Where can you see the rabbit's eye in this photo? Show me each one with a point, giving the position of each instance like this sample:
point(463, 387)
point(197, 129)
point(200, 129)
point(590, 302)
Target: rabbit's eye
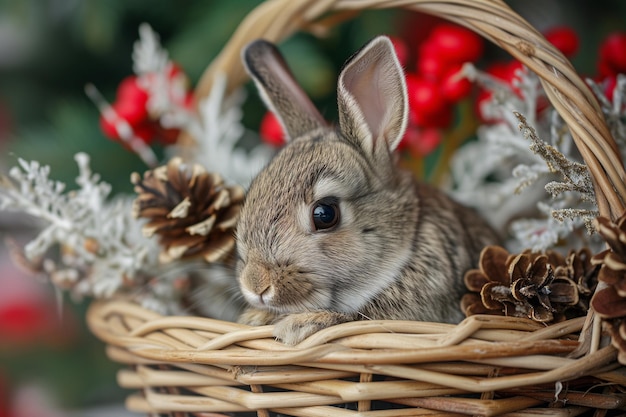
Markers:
point(326, 214)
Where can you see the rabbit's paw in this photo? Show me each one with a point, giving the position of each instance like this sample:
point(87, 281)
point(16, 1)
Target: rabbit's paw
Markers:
point(294, 328)
point(257, 317)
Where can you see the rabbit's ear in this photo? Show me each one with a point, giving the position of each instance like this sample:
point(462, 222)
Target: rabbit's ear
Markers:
point(372, 97)
point(279, 89)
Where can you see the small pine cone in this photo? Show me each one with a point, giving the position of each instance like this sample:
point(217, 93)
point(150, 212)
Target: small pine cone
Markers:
point(190, 210)
point(577, 266)
point(489, 285)
point(523, 285)
point(610, 300)
point(530, 276)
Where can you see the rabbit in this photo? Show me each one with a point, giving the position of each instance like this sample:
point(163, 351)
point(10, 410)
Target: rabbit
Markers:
point(331, 230)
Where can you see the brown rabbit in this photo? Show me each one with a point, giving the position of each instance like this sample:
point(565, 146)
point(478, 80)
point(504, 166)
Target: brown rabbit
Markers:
point(331, 230)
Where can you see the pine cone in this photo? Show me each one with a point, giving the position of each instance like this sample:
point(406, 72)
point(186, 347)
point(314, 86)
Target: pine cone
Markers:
point(578, 267)
point(192, 211)
point(490, 285)
point(610, 301)
point(543, 287)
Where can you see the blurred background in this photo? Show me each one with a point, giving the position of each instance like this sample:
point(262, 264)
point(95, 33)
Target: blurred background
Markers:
point(50, 365)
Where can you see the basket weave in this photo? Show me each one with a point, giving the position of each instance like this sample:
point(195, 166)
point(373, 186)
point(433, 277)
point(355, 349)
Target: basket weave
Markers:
point(487, 365)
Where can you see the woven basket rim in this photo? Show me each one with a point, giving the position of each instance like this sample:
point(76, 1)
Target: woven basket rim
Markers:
point(420, 357)
point(198, 353)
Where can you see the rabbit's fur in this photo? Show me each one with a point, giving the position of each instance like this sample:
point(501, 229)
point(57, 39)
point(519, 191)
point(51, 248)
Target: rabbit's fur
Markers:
point(399, 249)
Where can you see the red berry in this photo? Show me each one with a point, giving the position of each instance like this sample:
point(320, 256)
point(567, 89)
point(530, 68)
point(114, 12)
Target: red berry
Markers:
point(441, 119)
point(454, 86)
point(131, 101)
point(424, 95)
point(506, 71)
point(605, 69)
point(421, 142)
point(429, 140)
point(130, 90)
point(457, 44)
point(513, 67)
point(402, 51)
point(430, 67)
point(613, 51)
point(131, 112)
point(498, 69)
point(271, 130)
point(430, 63)
point(146, 132)
point(564, 39)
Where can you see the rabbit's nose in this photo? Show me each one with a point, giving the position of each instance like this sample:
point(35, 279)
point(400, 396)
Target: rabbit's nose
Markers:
point(266, 295)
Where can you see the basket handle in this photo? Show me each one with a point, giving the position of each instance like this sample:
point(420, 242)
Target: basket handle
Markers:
point(275, 20)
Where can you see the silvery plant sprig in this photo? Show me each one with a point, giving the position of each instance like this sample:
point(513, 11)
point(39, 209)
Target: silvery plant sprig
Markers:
point(88, 244)
point(537, 190)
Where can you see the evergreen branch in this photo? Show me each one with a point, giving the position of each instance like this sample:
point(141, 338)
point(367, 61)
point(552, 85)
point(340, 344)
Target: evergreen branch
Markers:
point(576, 175)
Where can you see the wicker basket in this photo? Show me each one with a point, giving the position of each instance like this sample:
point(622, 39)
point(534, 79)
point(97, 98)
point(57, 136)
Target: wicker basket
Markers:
point(486, 365)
